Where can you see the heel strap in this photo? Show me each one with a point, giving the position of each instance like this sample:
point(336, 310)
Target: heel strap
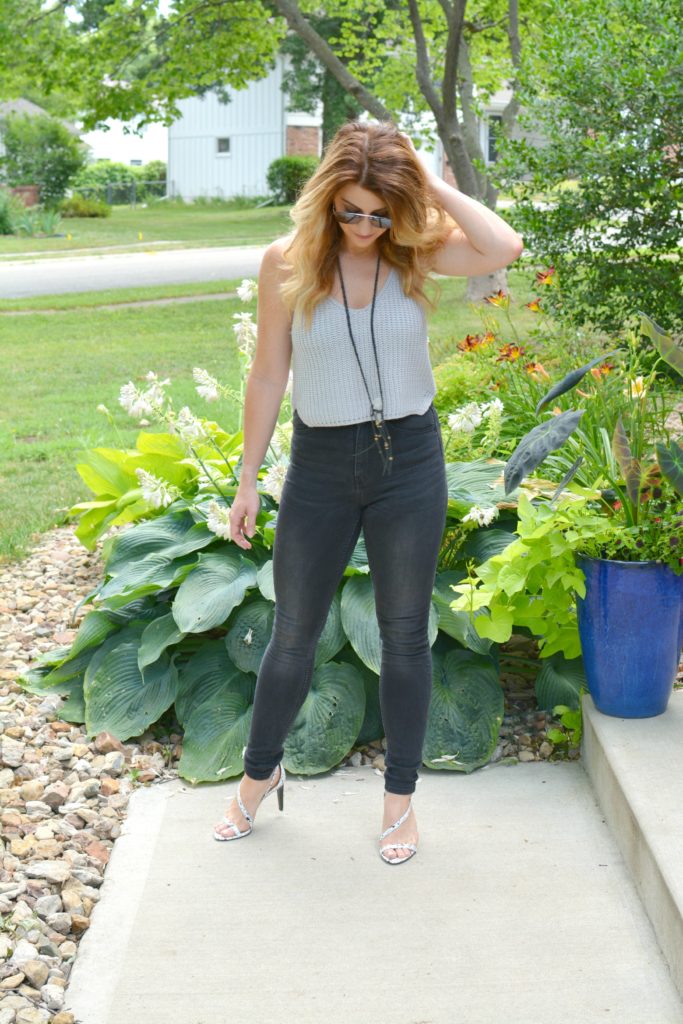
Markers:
point(243, 809)
point(396, 824)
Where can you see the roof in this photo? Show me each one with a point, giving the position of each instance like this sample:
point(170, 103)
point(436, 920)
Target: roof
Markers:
point(31, 109)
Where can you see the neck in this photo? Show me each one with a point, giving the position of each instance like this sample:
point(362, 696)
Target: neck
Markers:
point(359, 254)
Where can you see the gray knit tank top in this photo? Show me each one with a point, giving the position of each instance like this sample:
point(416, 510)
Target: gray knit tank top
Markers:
point(327, 386)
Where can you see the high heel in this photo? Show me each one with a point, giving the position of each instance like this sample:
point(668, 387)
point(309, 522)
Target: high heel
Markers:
point(396, 846)
point(279, 788)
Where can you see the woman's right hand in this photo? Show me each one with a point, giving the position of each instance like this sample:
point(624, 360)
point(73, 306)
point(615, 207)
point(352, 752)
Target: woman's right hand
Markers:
point(243, 512)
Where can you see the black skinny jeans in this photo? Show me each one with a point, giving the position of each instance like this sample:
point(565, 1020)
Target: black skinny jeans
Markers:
point(333, 488)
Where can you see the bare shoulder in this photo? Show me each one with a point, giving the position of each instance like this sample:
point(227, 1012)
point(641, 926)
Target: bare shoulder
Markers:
point(274, 259)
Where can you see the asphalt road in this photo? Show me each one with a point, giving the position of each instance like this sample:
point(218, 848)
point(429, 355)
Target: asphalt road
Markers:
point(21, 279)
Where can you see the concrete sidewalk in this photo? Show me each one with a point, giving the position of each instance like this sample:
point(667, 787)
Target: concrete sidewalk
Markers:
point(519, 907)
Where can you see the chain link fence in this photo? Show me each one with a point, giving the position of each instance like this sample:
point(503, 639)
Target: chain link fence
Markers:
point(122, 193)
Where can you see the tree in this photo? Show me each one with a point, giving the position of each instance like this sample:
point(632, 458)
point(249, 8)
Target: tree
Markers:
point(40, 151)
point(614, 76)
point(139, 63)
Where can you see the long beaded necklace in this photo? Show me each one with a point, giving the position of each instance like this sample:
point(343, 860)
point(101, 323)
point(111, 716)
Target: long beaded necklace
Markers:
point(381, 435)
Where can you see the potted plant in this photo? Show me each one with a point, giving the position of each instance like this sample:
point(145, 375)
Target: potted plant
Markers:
point(625, 536)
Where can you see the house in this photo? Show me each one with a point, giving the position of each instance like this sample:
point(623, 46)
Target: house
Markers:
point(219, 149)
point(224, 149)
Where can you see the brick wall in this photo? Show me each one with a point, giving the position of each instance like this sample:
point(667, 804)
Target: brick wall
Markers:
point(302, 140)
point(29, 194)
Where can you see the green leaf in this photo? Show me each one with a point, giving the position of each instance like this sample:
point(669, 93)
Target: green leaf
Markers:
point(145, 576)
point(156, 637)
point(479, 482)
point(264, 580)
point(671, 463)
point(121, 699)
point(629, 466)
point(250, 630)
point(217, 728)
point(670, 352)
point(329, 720)
point(571, 380)
point(559, 681)
point(465, 712)
point(94, 628)
point(170, 535)
point(215, 586)
point(456, 623)
point(537, 444)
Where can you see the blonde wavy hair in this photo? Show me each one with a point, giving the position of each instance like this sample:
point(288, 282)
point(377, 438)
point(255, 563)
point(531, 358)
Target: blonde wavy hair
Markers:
point(376, 156)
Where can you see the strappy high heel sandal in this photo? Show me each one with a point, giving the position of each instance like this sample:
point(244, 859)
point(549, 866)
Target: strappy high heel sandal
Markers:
point(397, 846)
point(279, 788)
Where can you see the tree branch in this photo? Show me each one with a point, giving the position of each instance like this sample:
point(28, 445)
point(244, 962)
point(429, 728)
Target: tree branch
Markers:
point(289, 9)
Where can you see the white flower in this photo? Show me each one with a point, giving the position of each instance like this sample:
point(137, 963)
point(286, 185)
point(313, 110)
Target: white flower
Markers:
point(274, 479)
point(482, 516)
point(218, 519)
point(636, 388)
point(156, 491)
point(495, 403)
point(466, 418)
point(133, 401)
point(188, 426)
point(247, 290)
point(245, 331)
point(207, 385)
point(102, 408)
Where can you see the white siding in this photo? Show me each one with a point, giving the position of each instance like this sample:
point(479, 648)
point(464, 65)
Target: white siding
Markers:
point(255, 123)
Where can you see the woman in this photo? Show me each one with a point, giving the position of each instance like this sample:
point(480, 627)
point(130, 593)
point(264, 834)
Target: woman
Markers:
point(342, 298)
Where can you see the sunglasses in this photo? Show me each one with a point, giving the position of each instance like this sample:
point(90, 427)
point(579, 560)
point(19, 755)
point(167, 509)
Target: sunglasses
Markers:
point(350, 217)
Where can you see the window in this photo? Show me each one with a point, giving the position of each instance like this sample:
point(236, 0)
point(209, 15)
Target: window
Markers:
point(223, 145)
point(495, 122)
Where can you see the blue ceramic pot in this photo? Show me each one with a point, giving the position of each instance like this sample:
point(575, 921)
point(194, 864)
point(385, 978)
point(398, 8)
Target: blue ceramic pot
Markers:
point(631, 631)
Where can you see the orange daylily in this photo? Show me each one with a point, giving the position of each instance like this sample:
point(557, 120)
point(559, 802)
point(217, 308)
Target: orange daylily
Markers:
point(473, 341)
point(500, 298)
point(470, 342)
point(535, 368)
point(534, 306)
point(545, 276)
point(510, 352)
point(602, 370)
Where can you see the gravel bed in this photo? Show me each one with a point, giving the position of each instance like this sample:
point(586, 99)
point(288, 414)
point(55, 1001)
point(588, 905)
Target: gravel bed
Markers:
point(63, 797)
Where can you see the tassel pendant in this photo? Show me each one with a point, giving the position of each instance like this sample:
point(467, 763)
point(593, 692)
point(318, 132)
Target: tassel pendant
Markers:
point(382, 439)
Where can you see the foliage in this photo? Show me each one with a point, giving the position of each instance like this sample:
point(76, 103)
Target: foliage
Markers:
point(641, 463)
point(639, 516)
point(182, 617)
point(287, 175)
point(35, 221)
point(40, 151)
point(80, 206)
point(532, 582)
point(604, 92)
point(399, 60)
point(309, 83)
point(11, 209)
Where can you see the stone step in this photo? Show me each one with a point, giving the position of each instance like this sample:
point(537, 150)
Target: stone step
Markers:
point(636, 768)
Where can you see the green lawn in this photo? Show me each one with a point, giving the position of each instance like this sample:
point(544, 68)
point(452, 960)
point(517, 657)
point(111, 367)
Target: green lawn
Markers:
point(189, 226)
point(59, 367)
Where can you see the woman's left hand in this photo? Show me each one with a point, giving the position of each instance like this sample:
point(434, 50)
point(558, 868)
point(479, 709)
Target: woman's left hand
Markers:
point(409, 141)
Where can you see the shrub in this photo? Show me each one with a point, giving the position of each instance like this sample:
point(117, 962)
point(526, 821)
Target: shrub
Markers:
point(80, 206)
point(11, 209)
point(40, 151)
point(287, 176)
